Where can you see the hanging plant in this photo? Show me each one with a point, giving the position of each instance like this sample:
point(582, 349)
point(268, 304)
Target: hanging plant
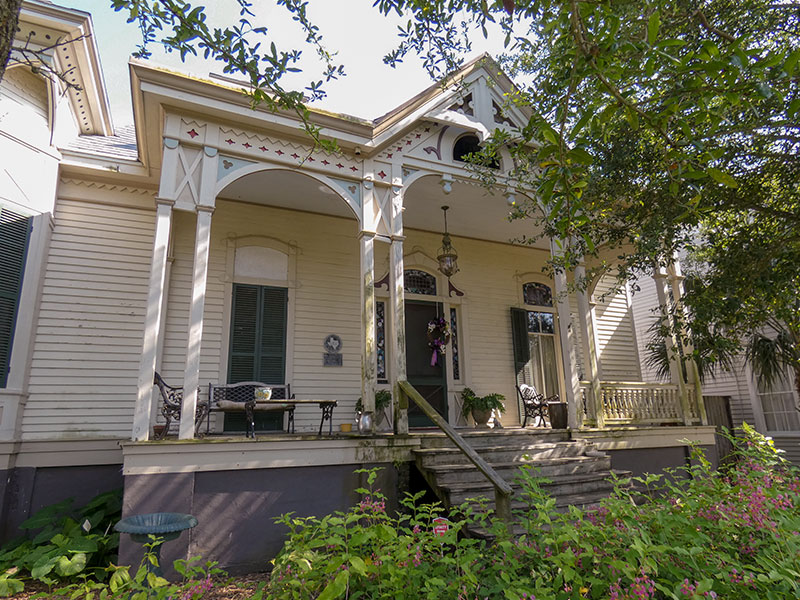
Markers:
point(438, 337)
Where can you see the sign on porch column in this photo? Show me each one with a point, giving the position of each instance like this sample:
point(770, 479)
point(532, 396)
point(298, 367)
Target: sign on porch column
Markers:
point(152, 322)
point(191, 376)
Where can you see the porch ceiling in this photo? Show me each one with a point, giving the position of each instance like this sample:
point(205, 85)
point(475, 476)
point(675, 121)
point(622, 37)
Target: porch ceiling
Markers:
point(474, 212)
point(287, 189)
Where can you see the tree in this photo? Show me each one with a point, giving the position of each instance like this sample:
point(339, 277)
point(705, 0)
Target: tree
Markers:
point(658, 127)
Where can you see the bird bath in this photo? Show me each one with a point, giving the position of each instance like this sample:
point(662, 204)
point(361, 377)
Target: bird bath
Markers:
point(164, 526)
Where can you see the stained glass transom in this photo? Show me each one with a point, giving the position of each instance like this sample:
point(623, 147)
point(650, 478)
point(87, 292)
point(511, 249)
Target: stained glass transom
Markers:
point(419, 282)
point(537, 294)
point(454, 343)
point(380, 334)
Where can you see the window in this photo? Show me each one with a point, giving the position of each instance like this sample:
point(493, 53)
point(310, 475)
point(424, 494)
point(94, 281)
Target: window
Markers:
point(258, 345)
point(535, 358)
point(14, 235)
point(380, 340)
point(419, 282)
point(470, 144)
point(537, 294)
point(778, 404)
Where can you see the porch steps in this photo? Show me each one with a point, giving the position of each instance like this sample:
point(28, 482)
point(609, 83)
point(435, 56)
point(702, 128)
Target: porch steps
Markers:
point(577, 473)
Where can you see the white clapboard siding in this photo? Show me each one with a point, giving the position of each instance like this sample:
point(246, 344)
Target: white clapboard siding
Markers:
point(790, 444)
point(733, 384)
point(89, 333)
point(645, 307)
point(619, 356)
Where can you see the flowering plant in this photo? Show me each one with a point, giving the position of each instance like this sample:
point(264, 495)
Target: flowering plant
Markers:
point(438, 337)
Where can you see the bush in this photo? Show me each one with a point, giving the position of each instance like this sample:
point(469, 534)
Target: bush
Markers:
point(694, 534)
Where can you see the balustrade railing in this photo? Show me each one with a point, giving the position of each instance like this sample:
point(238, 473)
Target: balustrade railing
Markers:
point(632, 402)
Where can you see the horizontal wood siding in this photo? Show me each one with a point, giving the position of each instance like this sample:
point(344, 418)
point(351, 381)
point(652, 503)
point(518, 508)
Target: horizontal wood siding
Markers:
point(790, 444)
point(645, 307)
point(89, 334)
point(619, 355)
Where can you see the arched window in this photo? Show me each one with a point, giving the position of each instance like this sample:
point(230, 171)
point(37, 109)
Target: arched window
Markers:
point(419, 282)
point(470, 144)
point(537, 294)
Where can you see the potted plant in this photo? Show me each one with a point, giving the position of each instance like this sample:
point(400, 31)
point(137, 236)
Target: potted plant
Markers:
point(383, 398)
point(481, 407)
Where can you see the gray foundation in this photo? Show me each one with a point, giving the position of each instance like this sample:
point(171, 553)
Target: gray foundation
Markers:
point(656, 460)
point(236, 510)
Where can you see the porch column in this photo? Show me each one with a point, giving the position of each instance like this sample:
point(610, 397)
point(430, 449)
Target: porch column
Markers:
point(191, 375)
point(586, 314)
point(676, 283)
point(572, 388)
point(398, 314)
point(152, 322)
point(369, 355)
point(676, 372)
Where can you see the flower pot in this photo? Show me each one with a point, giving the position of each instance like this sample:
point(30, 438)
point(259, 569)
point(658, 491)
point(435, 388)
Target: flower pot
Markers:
point(481, 417)
point(558, 414)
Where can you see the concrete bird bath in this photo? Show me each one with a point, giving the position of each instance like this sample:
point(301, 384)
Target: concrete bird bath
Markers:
point(165, 526)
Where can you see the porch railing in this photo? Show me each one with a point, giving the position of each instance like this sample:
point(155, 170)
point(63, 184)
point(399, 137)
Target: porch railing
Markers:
point(633, 402)
point(502, 490)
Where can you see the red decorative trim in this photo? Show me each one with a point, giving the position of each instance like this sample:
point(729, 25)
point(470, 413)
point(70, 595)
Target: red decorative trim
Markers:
point(382, 175)
point(438, 149)
point(408, 142)
point(389, 155)
point(263, 148)
point(325, 162)
point(279, 152)
point(383, 282)
point(311, 159)
point(192, 133)
point(340, 165)
point(229, 141)
point(295, 155)
point(354, 169)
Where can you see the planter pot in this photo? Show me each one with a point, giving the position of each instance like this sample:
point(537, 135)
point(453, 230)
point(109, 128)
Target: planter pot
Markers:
point(345, 427)
point(158, 431)
point(558, 415)
point(481, 417)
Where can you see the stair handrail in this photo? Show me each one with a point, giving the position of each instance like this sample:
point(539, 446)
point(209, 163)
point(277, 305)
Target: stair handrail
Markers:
point(502, 490)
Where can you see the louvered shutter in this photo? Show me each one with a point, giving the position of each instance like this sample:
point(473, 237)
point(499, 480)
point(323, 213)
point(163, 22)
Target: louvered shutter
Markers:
point(519, 338)
point(245, 313)
point(272, 355)
point(14, 233)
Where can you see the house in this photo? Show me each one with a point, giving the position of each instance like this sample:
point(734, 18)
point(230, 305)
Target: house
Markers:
point(214, 243)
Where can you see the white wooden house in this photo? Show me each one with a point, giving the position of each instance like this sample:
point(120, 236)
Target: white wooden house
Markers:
point(214, 243)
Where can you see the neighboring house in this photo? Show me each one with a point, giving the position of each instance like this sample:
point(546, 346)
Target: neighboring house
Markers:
point(214, 243)
point(772, 411)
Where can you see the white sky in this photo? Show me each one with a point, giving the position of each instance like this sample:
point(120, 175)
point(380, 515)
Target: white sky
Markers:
point(353, 28)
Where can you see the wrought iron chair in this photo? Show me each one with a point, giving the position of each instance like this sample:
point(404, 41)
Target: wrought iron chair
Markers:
point(534, 404)
point(172, 403)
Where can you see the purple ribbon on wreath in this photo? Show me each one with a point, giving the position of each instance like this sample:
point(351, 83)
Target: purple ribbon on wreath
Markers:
point(438, 336)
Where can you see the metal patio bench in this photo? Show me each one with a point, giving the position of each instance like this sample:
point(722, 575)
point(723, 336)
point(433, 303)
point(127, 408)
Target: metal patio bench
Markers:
point(172, 404)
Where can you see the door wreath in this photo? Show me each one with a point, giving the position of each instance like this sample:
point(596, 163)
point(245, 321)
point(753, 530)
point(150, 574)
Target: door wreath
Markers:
point(438, 337)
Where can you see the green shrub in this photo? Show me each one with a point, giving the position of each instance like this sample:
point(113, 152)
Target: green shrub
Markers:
point(694, 534)
point(62, 543)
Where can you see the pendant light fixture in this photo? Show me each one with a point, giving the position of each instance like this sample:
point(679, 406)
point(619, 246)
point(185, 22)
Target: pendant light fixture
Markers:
point(447, 257)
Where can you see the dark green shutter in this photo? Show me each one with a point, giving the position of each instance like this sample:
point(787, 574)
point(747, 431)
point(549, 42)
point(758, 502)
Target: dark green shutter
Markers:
point(519, 338)
point(258, 334)
point(14, 234)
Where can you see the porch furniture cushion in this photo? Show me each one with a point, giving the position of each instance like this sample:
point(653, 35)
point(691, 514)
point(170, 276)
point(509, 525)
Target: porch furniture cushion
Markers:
point(228, 397)
point(535, 405)
point(172, 404)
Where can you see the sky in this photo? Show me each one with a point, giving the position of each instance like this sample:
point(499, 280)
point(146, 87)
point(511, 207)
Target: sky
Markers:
point(352, 28)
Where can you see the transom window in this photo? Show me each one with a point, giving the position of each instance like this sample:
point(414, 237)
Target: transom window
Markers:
point(419, 282)
point(537, 294)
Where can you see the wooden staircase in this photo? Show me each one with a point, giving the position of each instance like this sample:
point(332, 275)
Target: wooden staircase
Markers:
point(578, 474)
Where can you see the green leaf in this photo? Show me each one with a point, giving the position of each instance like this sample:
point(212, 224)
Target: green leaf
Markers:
point(723, 178)
point(67, 567)
point(336, 587)
point(10, 586)
point(43, 566)
point(791, 62)
point(794, 107)
point(358, 565)
point(581, 156)
point(653, 23)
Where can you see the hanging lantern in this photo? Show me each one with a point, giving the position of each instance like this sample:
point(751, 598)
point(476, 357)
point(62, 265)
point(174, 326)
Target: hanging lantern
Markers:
point(447, 257)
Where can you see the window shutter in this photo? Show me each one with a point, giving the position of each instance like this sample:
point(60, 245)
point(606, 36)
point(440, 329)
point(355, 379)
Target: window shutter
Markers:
point(258, 334)
point(272, 359)
point(519, 337)
point(242, 363)
point(14, 235)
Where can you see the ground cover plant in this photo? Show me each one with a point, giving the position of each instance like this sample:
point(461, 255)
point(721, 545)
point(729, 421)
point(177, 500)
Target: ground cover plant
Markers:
point(693, 534)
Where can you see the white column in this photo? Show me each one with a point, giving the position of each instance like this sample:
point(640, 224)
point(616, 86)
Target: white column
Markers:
point(572, 388)
point(369, 355)
point(152, 322)
point(676, 372)
point(191, 375)
point(676, 283)
point(586, 313)
point(398, 313)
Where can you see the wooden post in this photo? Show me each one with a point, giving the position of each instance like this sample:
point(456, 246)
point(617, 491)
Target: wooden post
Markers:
point(572, 388)
point(675, 369)
point(398, 313)
point(369, 355)
point(586, 314)
point(191, 375)
point(152, 322)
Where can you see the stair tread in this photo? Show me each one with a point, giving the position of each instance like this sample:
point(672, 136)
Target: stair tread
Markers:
point(544, 462)
point(559, 480)
point(479, 449)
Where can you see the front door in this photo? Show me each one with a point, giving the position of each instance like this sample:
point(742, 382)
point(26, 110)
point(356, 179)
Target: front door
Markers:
point(429, 380)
